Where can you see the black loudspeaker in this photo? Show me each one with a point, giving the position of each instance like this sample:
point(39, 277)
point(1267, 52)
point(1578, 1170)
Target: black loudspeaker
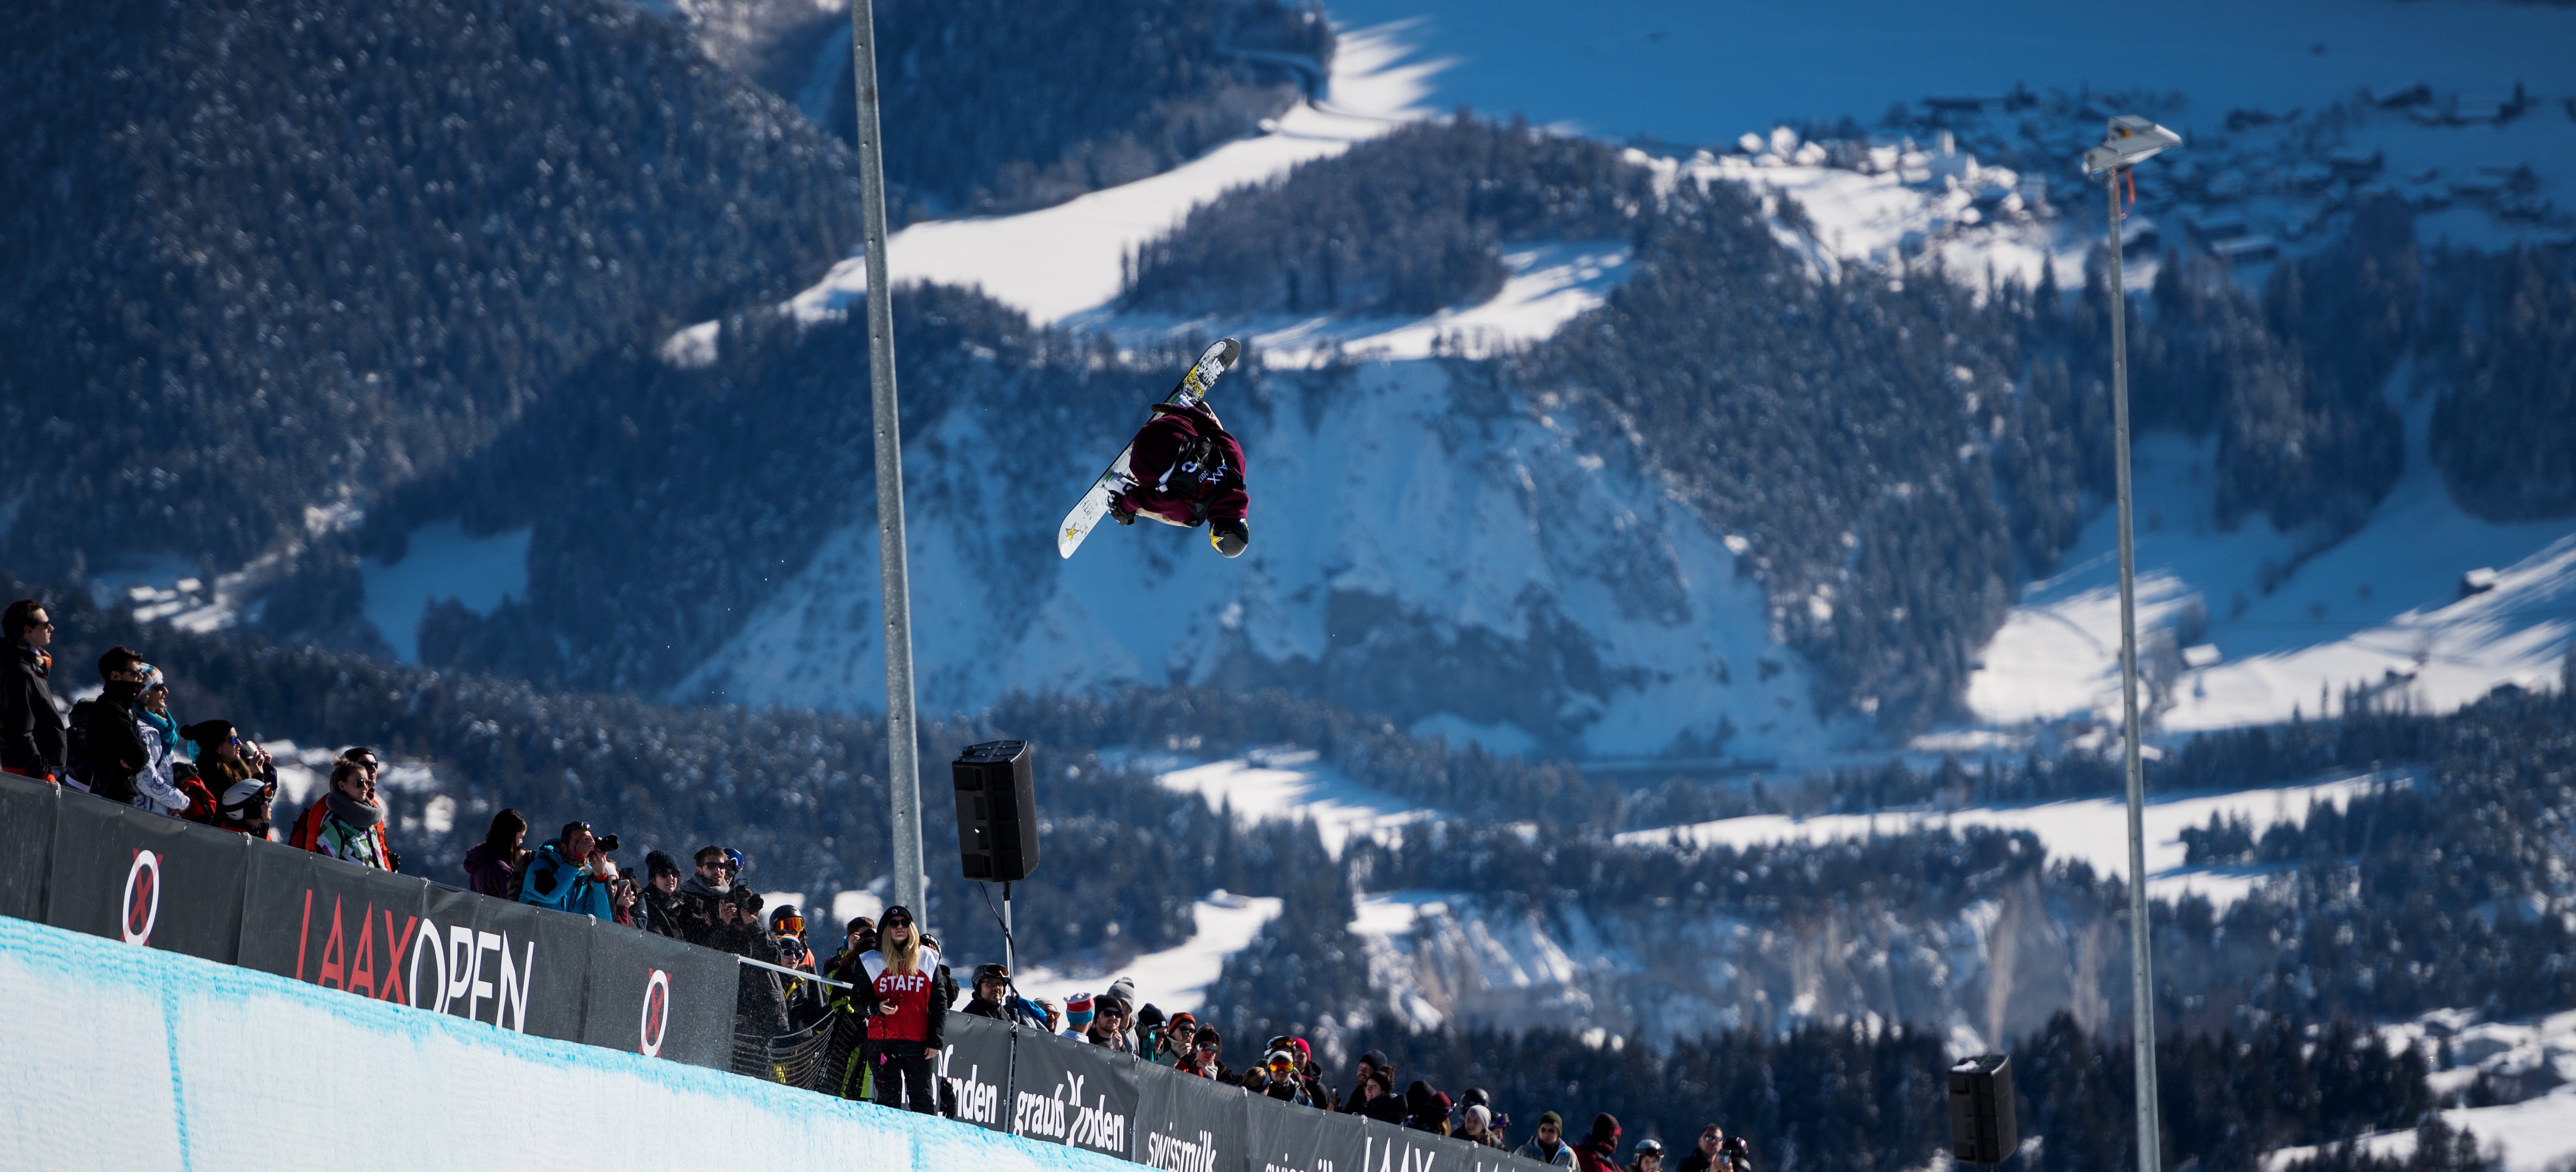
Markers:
point(997, 812)
point(1981, 1110)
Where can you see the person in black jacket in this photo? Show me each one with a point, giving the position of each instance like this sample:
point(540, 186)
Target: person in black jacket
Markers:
point(114, 740)
point(31, 729)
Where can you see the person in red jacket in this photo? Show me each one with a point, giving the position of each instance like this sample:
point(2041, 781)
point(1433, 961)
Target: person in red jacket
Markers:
point(1601, 1152)
point(908, 1016)
point(1187, 471)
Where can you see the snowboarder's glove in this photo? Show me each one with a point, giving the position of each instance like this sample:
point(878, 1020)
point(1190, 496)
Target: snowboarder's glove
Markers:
point(1119, 512)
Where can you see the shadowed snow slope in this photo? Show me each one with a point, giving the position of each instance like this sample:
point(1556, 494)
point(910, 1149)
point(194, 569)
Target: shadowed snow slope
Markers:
point(174, 1042)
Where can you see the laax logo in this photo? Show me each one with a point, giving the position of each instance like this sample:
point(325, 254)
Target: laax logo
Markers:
point(142, 902)
point(657, 1013)
point(1383, 1158)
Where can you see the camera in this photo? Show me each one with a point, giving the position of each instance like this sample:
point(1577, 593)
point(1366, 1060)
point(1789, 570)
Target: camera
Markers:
point(608, 844)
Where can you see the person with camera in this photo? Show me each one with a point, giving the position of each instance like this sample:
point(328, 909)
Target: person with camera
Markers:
point(239, 778)
point(908, 1017)
point(705, 887)
point(760, 1005)
point(565, 874)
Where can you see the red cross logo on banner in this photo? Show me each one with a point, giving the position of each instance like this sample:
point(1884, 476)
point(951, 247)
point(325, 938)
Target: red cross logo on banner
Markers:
point(142, 898)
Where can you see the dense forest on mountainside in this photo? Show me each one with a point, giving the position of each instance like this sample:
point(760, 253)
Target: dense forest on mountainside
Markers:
point(695, 488)
point(265, 255)
point(2503, 361)
point(1452, 190)
point(1852, 1097)
point(2366, 921)
point(995, 106)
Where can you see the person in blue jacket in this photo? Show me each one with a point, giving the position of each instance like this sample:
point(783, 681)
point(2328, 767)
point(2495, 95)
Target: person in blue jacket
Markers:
point(562, 876)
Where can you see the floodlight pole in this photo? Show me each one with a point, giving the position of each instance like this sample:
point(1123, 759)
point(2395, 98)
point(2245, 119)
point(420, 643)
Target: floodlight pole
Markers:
point(903, 745)
point(2141, 971)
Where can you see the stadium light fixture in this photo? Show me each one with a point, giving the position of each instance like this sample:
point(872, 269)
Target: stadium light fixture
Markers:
point(2130, 141)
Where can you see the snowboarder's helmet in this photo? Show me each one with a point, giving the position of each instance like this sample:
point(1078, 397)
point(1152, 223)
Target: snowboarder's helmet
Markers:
point(1229, 537)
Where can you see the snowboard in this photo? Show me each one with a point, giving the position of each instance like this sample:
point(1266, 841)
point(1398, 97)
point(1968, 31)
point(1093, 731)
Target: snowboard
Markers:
point(1194, 386)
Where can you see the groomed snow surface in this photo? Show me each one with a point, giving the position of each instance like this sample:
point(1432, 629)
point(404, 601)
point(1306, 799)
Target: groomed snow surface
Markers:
point(132, 1058)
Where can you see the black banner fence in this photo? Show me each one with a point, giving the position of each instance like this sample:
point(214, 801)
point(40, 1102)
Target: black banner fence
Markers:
point(1071, 1093)
point(84, 864)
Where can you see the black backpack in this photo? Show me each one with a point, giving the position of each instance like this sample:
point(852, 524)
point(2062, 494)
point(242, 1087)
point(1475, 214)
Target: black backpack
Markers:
point(76, 744)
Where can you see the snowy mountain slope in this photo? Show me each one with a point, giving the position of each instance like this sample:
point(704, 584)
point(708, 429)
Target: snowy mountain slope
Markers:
point(2382, 609)
point(1061, 260)
point(1419, 549)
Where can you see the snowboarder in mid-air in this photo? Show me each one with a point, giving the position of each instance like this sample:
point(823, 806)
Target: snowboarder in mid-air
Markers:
point(1183, 468)
point(1188, 469)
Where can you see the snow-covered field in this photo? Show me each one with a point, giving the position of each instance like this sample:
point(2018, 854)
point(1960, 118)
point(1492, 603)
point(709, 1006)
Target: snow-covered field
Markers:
point(2094, 831)
point(1176, 979)
point(2383, 608)
point(442, 561)
point(1290, 785)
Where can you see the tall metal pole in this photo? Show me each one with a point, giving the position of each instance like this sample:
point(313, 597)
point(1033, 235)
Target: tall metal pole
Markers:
point(2141, 973)
point(903, 746)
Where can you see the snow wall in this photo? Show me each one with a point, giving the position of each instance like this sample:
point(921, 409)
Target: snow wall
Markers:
point(129, 1057)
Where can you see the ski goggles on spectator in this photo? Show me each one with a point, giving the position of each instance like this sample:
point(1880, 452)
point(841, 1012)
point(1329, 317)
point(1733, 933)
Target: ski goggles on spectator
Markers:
point(792, 924)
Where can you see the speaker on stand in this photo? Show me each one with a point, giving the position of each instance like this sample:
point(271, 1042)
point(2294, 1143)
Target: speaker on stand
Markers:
point(997, 842)
point(1981, 1110)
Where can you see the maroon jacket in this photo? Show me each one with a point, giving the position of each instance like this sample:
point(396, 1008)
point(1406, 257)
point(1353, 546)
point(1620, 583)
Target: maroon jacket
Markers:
point(1163, 488)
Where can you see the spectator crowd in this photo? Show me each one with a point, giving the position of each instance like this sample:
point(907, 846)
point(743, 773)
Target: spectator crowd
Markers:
point(880, 1001)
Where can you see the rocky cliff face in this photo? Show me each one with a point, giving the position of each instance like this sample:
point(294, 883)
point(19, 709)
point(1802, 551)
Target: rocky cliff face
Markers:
point(1994, 972)
point(1425, 545)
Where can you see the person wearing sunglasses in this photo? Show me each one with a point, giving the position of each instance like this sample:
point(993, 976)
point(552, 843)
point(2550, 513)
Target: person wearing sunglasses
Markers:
point(223, 763)
point(901, 972)
point(348, 824)
point(1110, 1018)
point(33, 738)
point(1204, 1056)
